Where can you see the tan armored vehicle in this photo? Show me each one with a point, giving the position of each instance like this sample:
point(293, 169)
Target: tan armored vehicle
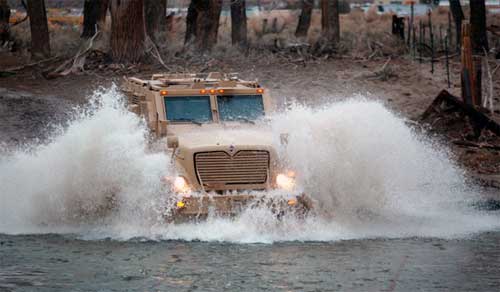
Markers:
point(224, 161)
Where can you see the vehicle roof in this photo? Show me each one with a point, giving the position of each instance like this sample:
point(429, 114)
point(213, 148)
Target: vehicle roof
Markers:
point(195, 81)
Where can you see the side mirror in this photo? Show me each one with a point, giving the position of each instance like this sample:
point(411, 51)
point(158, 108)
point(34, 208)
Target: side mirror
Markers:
point(172, 142)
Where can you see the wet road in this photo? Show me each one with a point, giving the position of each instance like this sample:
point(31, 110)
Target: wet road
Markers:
point(65, 263)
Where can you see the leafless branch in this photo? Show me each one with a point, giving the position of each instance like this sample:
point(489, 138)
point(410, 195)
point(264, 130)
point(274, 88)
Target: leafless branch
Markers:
point(24, 18)
point(13, 69)
point(156, 53)
point(77, 62)
point(489, 100)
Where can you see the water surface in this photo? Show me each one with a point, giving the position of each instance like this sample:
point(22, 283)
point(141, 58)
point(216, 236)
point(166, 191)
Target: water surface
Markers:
point(64, 263)
point(394, 210)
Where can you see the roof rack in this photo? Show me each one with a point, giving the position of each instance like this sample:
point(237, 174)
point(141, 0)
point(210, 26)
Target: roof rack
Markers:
point(190, 80)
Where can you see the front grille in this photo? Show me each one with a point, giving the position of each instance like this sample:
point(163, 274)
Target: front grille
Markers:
point(219, 168)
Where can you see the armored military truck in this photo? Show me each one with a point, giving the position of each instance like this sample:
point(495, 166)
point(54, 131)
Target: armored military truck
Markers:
point(224, 161)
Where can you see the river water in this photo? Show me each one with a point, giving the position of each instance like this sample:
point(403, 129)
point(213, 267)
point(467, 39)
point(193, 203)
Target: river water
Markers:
point(394, 211)
point(64, 263)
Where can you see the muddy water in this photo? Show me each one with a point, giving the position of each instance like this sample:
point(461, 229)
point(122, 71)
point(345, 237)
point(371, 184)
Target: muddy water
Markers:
point(26, 117)
point(394, 211)
point(63, 263)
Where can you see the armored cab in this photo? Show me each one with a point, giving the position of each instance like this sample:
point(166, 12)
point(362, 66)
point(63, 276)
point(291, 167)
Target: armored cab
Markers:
point(222, 157)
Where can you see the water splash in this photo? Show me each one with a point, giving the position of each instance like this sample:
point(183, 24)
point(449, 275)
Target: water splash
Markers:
point(369, 173)
point(70, 181)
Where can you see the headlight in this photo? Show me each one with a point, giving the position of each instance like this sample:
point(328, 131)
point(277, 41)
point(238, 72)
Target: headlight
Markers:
point(285, 182)
point(181, 185)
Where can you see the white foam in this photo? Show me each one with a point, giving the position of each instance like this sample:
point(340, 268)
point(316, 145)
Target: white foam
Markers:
point(68, 182)
point(369, 173)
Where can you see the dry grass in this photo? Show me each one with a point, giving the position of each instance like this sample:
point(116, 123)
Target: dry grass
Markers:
point(64, 39)
point(364, 35)
point(64, 32)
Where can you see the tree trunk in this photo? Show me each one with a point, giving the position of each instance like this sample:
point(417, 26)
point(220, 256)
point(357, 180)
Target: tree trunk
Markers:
point(94, 14)
point(239, 23)
point(155, 13)
point(479, 40)
point(304, 19)
point(478, 26)
point(91, 12)
point(191, 18)
point(458, 16)
point(4, 21)
point(208, 25)
point(203, 23)
point(40, 42)
point(398, 27)
point(128, 31)
point(103, 12)
point(330, 24)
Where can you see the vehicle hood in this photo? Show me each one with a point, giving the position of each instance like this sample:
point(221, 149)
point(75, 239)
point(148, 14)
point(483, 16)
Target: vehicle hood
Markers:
point(226, 137)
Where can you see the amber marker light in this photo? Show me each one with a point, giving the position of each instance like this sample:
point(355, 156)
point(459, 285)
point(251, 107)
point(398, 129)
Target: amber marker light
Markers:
point(203, 91)
point(221, 91)
point(163, 92)
point(260, 90)
point(212, 91)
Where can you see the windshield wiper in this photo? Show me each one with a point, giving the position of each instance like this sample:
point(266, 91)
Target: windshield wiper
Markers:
point(240, 119)
point(246, 120)
point(189, 120)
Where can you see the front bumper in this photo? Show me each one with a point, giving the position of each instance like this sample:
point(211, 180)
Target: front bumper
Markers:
point(200, 207)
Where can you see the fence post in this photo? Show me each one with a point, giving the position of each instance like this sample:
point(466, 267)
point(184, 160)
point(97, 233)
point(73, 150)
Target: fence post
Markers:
point(411, 38)
point(441, 40)
point(447, 60)
point(424, 36)
point(467, 79)
point(421, 41)
point(431, 35)
point(398, 27)
point(450, 36)
point(414, 39)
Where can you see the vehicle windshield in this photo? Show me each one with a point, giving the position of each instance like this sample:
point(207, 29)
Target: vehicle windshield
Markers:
point(240, 107)
point(188, 108)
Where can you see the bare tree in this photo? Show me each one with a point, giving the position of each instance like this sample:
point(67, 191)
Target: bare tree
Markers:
point(478, 26)
point(128, 31)
point(4, 21)
point(94, 14)
point(202, 23)
point(239, 23)
point(458, 16)
point(208, 24)
point(330, 23)
point(40, 42)
point(304, 19)
point(191, 20)
point(103, 12)
point(156, 20)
